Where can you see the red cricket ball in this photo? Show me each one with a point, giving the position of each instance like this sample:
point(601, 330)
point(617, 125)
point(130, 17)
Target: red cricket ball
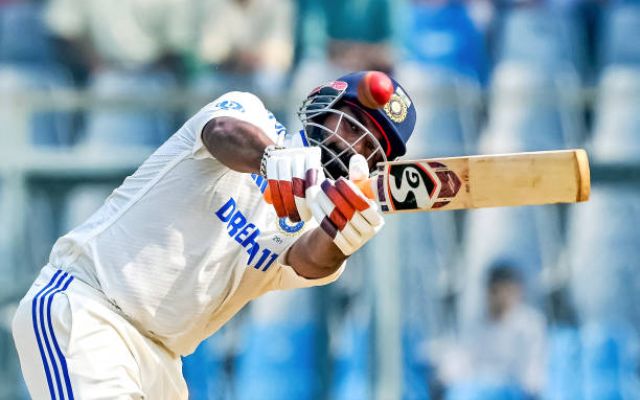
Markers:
point(375, 89)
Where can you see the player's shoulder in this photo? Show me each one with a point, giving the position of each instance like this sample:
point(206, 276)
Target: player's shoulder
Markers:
point(237, 101)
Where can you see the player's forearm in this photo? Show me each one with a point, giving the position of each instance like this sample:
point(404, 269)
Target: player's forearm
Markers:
point(237, 144)
point(315, 255)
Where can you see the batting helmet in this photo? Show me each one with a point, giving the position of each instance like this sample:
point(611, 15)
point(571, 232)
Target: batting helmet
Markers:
point(374, 94)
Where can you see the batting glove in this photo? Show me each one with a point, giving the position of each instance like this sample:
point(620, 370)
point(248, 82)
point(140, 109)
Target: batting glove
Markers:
point(343, 211)
point(290, 172)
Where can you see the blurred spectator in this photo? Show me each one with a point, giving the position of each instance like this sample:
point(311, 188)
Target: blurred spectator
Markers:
point(531, 109)
point(615, 135)
point(441, 33)
point(23, 36)
point(353, 34)
point(450, 105)
point(482, 13)
point(47, 128)
point(131, 49)
point(247, 43)
point(505, 353)
point(29, 63)
point(533, 34)
point(587, 17)
point(123, 34)
point(621, 22)
point(339, 36)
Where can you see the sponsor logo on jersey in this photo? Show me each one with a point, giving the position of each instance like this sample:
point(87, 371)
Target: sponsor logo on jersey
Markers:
point(246, 234)
point(229, 105)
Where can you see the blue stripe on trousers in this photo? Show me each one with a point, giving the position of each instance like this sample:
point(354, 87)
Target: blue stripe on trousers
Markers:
point(47, 342)
point(36, 330)
point(61, 358)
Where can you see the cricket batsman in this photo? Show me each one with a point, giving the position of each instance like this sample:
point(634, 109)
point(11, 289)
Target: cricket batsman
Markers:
point(188, 239)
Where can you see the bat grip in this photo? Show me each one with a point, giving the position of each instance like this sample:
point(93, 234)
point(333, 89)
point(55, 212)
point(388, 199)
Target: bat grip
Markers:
point(365, 186)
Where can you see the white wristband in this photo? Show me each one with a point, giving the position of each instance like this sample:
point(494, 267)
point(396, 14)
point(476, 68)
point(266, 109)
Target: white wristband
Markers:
point(265, 157)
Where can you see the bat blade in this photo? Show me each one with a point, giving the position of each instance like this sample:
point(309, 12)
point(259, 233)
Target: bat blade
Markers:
point(500, 180)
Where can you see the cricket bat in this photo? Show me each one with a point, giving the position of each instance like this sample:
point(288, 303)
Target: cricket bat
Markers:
point(453, 183)
point(500, 180)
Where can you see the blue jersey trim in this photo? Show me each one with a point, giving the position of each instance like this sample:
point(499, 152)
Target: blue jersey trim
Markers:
point(260, 181)
point(305, 142)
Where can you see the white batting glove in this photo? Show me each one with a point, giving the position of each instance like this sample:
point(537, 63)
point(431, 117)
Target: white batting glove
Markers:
point(290, 172)
point(343, 211)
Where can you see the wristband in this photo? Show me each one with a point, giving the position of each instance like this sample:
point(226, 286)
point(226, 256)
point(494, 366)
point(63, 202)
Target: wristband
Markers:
point(265, 157)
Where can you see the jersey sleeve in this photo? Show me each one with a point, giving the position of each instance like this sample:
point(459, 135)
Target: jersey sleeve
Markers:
point(288, 278)
point(240, 105)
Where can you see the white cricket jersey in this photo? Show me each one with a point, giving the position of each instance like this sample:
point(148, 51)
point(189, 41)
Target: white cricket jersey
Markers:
point(185, 242)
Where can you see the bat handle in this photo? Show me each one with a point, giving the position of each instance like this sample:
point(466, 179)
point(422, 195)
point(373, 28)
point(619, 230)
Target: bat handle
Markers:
point(365, 185)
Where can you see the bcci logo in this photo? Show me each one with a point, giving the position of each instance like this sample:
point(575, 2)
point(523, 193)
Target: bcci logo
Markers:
point(396, 109)
point(289, 227)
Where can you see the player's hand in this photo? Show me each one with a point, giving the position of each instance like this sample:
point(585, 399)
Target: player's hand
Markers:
point(290, 173)
point(343, 211)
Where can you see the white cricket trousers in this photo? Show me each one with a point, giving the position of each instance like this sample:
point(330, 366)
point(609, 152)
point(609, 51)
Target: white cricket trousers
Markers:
point(72, 344)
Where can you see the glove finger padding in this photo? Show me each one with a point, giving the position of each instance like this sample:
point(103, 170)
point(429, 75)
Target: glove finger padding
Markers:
point(330, 222)
point(358, 171)
point(298, 170)
point(312, 174)
point(288, 172)
point(345, 214)
point(285, 186)
point(272, 179)
point(358, 168)
point(367, 208)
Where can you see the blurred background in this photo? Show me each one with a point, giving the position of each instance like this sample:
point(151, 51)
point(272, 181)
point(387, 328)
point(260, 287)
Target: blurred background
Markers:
point(517, 303)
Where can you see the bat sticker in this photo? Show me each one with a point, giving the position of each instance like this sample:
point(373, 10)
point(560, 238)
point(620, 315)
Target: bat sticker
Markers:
point(410, 186)
point(420, 185)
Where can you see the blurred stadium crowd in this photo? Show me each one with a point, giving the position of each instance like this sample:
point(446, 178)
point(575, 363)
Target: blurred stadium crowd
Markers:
point(519, 303)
